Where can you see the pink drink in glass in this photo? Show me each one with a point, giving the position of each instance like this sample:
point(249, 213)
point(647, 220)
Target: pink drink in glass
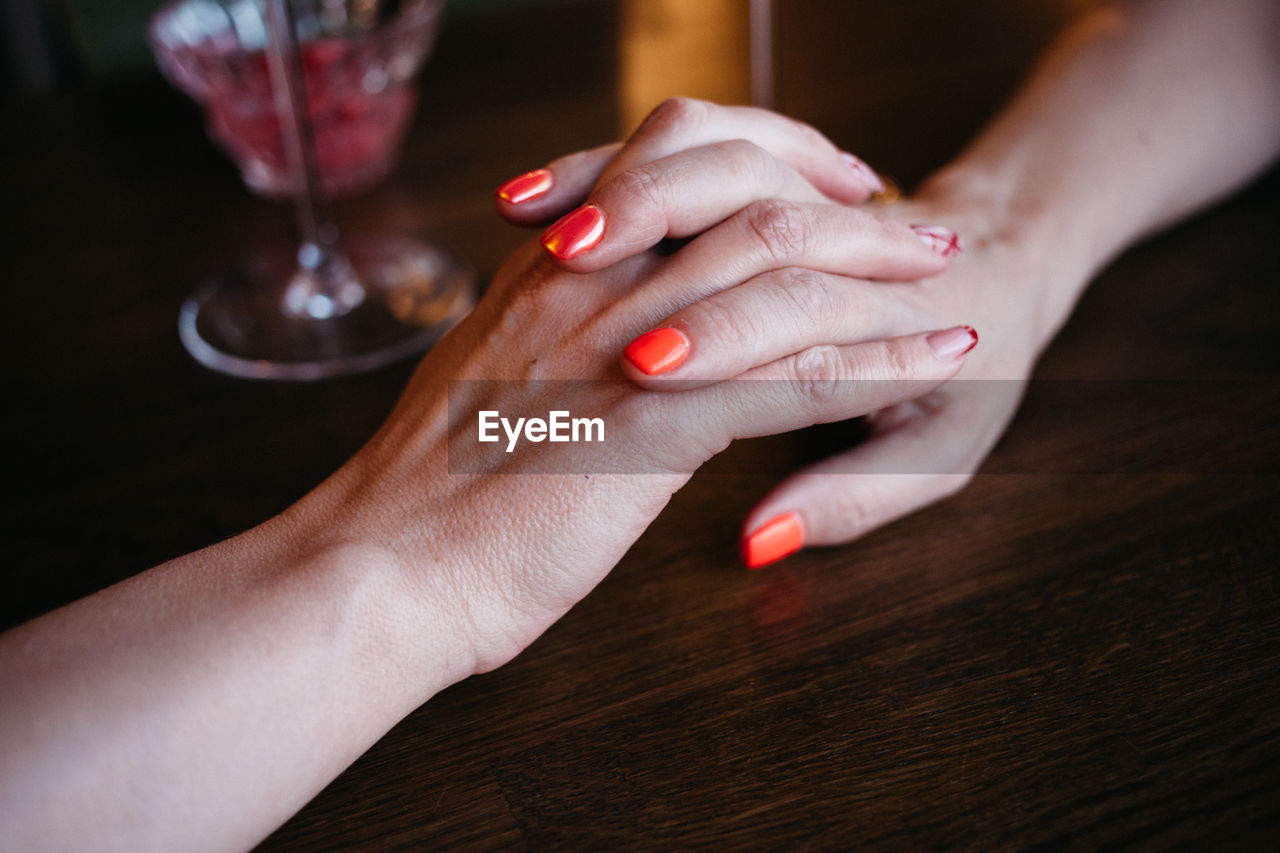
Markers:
point(358, 117)
point(360, 94)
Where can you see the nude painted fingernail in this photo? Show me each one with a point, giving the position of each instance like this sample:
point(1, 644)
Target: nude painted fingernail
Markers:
point(576, 232)
point(778, 537)
point(524, 187)
point(951, 344)
point(864, 172)
point(942, 240)
point(658, 351)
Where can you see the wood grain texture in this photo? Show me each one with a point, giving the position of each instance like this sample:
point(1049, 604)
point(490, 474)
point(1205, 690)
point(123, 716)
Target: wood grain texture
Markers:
point(1063, 656)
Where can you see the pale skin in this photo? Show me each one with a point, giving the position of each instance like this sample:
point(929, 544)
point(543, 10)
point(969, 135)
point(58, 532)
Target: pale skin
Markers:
point(201, 703)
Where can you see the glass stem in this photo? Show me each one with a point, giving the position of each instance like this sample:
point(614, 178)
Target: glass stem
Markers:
point(762, 74)
point(324, 284)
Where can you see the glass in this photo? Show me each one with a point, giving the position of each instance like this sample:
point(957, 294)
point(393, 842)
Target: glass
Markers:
point(312, 99)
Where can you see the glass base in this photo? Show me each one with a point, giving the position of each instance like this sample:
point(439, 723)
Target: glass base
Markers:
point(238, 321)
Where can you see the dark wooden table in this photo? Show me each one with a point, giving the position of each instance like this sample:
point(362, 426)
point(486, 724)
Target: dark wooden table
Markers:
point(1069, 654)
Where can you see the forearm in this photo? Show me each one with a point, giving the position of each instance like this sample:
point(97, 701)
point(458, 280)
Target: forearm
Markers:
point(1139, 116)
point(201, 703)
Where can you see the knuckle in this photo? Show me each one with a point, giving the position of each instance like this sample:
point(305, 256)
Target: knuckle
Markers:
point(523, 305)
point(716, 326)
point(675, 116)
point(780, 227)
point(740, 149)
point(540, 291)
point(818, 372)
point(639, 189)
point(746, 159)
point(638, 414)
point(808, 294)
point(886, 362)
point(852, 511)
point(656, 449)
point(540, 276)
point(899, 364)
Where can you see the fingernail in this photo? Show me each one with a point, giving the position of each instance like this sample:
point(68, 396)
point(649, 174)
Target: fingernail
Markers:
point(863, 171)
point(658, 351)
point(944, 241)
point(950, 344)
point(773, 540)
point(576, 232)
point(526, 186)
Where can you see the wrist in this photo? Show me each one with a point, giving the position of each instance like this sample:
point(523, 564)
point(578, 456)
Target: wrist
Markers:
point(401, 607)
point(1037, 250)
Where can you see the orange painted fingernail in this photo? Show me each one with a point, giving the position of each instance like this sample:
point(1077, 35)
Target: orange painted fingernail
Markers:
point(951, 344)
point(658, 351)
point(576, 232)
point(776, 538)
point(526, 186)
point(942, 240)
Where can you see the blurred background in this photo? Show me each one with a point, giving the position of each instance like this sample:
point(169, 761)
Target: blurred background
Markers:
point(652, 49)
point(50, 43)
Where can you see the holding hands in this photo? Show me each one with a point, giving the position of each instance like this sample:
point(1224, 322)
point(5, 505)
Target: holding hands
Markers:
point(784, 274)
point(779, 277)
point(209, 698)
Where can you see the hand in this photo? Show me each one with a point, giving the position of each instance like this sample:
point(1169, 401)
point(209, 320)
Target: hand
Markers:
point(924, 450)
point(919, 451)
point(431, 555)
point(517, 550)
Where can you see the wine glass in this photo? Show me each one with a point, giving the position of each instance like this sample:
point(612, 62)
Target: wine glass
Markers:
point(312, 99)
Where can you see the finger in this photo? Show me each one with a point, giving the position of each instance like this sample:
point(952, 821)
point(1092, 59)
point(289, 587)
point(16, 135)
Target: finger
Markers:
point(773, 235)
point(928, 452)
point(543, 195)
point(763, 319)
point(675, 196)
point(819, 385)
point(681, 123)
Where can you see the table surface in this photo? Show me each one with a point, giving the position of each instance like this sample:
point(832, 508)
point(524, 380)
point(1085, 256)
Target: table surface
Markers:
point(1070, 652)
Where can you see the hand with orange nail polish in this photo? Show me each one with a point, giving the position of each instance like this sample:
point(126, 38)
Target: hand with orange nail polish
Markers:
point(801, 320)
point(557, 322)
point(690, 165)
point(780, 269)
point(207, 699)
